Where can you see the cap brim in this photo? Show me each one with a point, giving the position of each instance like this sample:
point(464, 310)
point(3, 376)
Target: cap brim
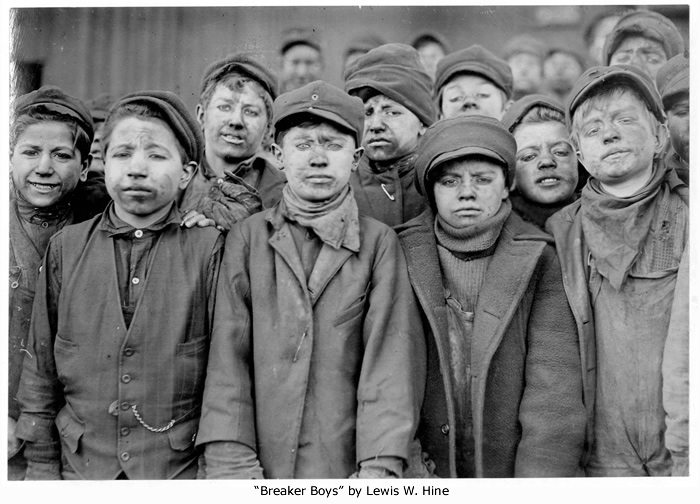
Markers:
point(466, 151)
point(323, 114)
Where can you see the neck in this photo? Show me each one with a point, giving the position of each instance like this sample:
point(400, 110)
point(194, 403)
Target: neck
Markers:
point(396, 163)
point(629, 187)
point(219, 165)
point(144, 221)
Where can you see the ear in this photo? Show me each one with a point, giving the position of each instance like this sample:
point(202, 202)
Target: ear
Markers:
point(277, 152)
point(199, 112)
point(84, 168)
point(356, 156)
point(188, 171)
point(422, 129)
point(661, 137)
point(506, 106)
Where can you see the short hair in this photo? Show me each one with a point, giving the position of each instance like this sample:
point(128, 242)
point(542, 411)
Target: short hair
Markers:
point(236, 81)
point(141, 110)
point(540, 114)
point(306, 121)
point(606, 91)
point(39, 114)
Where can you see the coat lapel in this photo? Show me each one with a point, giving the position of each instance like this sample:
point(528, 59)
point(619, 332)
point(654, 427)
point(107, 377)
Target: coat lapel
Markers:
point(283, 243)
point(327, 264)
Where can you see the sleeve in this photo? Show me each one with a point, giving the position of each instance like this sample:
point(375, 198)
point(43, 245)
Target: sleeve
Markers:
point(674, 370)
point(228, 409)
point(552, 414)
point(393, 374)
point(39, 393)
point(234, 201)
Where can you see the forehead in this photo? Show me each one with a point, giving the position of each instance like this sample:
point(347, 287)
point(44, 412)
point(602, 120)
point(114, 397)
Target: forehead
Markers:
point(469, 164)
point(430, 47)
point(523, 59)
point(380, 100)
point(301, 52)
point(131, 129)
point(324, 128)
point(467, 80)
point(550, 131)
point(639, 42)
point(227, 90)
point(48, 131)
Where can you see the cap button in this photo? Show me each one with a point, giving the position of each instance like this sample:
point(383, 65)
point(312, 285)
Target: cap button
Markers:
point(314, 97)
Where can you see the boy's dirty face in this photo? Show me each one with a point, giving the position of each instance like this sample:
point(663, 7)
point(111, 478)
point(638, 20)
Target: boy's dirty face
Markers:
point(469, 94)
point(646, 54)
point(144, 170)
point(546, 166)
point(234, 122)
point(318, 160)
point(391, 130)
point(527, 72)
point(679, 125)
point(617, 141)
point(301, 64)
point(469, 190)
point(45, 164)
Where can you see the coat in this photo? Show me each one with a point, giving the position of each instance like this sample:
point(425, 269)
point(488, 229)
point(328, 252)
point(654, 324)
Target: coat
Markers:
point(314, 376)
point(100, 382)
point(526, 393)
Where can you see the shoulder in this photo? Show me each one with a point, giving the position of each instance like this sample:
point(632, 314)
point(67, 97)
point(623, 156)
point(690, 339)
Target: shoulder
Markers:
point(519, 230)
point(559, 223)
point(419, 225)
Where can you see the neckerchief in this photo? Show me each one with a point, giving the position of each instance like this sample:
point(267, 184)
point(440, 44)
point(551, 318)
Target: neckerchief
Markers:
point(335, 221)
point(615, 228)
point(475, 241)
point(401, 165)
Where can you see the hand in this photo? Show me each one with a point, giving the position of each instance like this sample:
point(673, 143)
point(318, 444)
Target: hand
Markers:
point(194, 218)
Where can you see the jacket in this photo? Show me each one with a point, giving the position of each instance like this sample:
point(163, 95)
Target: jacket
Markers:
point(319, 376)
point(105, 387)
point(526, 392)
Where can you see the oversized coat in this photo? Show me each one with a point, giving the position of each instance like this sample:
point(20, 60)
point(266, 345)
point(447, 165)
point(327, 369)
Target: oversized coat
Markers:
point(527, 405)
point(314, 376)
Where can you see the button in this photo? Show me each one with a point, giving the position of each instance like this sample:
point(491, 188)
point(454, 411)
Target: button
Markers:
point(125, 405)
point(128, 352)
point(125, 456)
point(445, 429)
point(138, 233)
point(314, 97)
point(124, 431)
point(126, 378)
point(14, 284)
point(135, 281)
point(44, 224)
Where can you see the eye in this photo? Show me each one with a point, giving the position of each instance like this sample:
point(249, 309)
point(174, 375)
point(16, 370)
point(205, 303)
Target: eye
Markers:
point(527, 158)
point(224, 107)
point(393, 113)
point(29, 152)
point(334, 146)
point(303, 146)
point(483, 96)
point(448, 181)
point(654, 59)
point(251, 112)
point(592, 131)
point(625, 120)
point(64, 156)
point(455, 99)
point(561, 153)
point(157, 156)
point(484, 180)
point(368, 113)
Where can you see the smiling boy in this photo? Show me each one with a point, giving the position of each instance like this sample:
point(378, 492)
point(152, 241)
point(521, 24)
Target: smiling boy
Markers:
point(112, 381)
point(318, 361)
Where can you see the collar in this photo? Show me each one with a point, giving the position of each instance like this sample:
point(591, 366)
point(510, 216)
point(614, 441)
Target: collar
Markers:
point(45, 216)
point(240, 170)
point(400, 165)
point(111, 224)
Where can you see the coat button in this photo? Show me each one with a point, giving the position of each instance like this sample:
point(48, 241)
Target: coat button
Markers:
point(135, 281)
point(124, 431)
point(129, 352)
point(445, 429)
point(14, 284)
point(124, 405)
point(126, 378)
point(125, 456)
point(138, 233)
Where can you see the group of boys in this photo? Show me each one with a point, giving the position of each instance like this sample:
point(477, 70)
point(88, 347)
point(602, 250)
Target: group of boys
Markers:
point(295, 349)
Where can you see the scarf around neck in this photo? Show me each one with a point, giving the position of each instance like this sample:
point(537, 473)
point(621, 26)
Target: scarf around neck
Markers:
point(335, 221)
point(615, 229)
point(402, 165)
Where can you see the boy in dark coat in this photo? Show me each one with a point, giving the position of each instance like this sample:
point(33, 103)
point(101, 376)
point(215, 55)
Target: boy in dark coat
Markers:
point(113, 377)
point(504, 389)
point(317, 366)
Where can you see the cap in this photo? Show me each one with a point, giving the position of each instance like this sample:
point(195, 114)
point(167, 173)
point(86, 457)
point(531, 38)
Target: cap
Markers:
point(99, 106)
point(674, 76)
point(625, 74)
point(520, 108)
point(54, 99)
point(524, 44)
point(295, 36)
point(175, 113)
point(244, 64)
point(461, 136)
point(476, 60)
point(645, 23)
point(323, 100)
point(395, 71)
point(428, 37)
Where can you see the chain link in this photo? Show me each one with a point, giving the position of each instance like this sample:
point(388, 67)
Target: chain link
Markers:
point(152, 429)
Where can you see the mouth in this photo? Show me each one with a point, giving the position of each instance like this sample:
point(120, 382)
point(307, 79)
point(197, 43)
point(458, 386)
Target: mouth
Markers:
point(233, 139)
point(548, 181)
point(319, 179)
point(43, 187)
point(378, 141)
point(136, 190)
point(614, 154)
point(467, 212)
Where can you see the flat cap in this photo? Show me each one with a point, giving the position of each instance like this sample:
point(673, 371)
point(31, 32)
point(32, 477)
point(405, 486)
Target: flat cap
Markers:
point(624, 74)
point(244, 64)
point(54, 99)
point(674, 76)
point(645, 23)
point(461, 136)
point(299, 35)
point(520, 108)
point(175, 113)
point(318, 98)
point(524, 44)
point(474, 60)
point(395, 71)
point(428, 37)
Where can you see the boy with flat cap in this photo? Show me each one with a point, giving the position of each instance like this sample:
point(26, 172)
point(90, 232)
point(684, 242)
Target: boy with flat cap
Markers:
point(235, 115)
point(620, 247)
point(644, 39)
point(396, 91)
point(302, 58)
point(317, 365)
point(112, 381)
point(525, 55)
point(673, 83)
point(473, 81)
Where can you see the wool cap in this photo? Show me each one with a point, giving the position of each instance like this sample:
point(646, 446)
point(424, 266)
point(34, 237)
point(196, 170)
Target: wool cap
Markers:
point(323, 100)
point(645, 23)
point(99, 106)
point(431, 37)
point(244, 64)
point(297, 36)
point(674, 76)
point(520, 108)
point(54, 99)
point(183, 124)
point(461, 136)
point(624, 74)
point(524, 44)
point(395, 71)
point(474, 60)
point(364, 43)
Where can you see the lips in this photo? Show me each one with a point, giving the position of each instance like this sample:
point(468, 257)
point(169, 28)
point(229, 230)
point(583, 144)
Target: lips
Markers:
point(233, 139)
point(43, 187)
point(548, 181)
point(136, 190)
point(377, 141)
point(615, 153)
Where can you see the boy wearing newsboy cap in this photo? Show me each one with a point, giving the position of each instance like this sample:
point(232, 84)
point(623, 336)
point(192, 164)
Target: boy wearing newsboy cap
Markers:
point(317, 362)
point(112, 382)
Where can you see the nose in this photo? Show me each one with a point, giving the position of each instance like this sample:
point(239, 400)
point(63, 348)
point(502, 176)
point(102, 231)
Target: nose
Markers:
point(45, 165)
point(466, 190)
point(319, 159)
point(469, 102)
point(610, 133)
point(235, 118)
point(137, 166)
point(374, 123)
point(546, 161)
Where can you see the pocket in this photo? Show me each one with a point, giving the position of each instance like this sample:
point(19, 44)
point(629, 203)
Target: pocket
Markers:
point(351, 312)
point(183, 435)
point(62, 345)
point(70, 428)
point(191, 370)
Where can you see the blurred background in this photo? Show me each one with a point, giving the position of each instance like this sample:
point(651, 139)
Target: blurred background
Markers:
point(91, 51)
